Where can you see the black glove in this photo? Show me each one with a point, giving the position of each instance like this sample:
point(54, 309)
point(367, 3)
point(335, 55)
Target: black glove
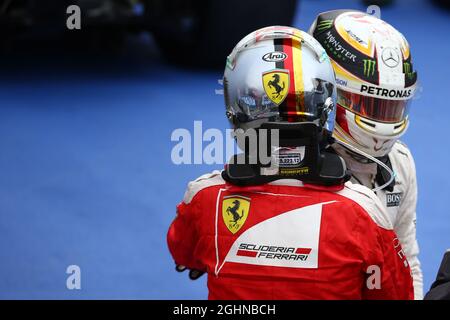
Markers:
point(193, 274)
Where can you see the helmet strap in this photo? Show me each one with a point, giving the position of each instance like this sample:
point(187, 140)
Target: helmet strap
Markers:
point(383, 175)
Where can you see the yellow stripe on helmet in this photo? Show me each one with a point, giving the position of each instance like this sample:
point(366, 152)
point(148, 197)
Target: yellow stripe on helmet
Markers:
point(299, 87)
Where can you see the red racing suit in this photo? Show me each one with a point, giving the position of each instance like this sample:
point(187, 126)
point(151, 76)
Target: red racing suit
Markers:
point(286, 240)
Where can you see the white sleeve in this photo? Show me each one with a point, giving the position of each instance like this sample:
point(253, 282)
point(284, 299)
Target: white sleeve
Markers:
point(405, 224)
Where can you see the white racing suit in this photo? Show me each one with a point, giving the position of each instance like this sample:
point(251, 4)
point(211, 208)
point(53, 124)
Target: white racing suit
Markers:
point(400, 202)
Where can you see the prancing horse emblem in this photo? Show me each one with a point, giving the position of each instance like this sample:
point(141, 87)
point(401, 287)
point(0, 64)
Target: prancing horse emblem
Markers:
point(276, 85)
point(235, 210)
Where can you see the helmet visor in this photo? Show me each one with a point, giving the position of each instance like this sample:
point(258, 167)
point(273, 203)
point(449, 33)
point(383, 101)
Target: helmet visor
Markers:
point(376, 109)
point(300, 106)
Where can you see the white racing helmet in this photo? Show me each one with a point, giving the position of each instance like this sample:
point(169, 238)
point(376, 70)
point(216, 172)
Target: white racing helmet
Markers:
point(374, 77)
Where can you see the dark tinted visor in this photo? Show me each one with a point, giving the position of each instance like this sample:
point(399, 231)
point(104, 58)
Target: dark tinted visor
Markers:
point(382, 110)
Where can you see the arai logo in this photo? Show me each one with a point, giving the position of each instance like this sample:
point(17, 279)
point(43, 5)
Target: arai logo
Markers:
point(275, 56)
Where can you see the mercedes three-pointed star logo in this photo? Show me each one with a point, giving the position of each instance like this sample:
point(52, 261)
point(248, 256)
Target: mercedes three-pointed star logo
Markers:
point(390, 57)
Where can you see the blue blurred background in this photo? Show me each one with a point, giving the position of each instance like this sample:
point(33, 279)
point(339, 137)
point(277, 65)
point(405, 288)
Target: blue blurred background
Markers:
point(86, 176)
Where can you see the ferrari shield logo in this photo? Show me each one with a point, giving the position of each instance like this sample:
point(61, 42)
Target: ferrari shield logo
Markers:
point(235, 211)
point(276, 84)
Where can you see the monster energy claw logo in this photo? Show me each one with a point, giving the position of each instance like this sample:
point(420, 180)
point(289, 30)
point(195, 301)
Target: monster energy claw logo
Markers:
point(325, 24)
point(407, 69)
point(369, 67)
